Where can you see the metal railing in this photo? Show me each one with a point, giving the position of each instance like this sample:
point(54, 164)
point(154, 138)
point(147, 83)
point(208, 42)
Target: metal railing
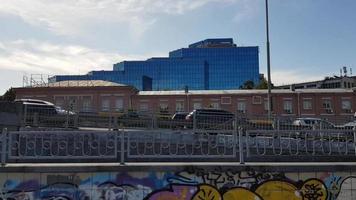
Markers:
point(49, 117)
point(127, 146)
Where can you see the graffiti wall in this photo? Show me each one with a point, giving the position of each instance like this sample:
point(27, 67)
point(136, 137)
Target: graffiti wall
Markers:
point(191, 183)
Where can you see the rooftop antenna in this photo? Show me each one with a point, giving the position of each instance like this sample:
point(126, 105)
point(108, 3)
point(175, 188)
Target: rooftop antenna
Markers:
point(340, 72)
point(350, 71)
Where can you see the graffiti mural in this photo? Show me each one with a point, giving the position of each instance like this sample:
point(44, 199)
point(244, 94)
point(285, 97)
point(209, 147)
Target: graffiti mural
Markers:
point(192, 183)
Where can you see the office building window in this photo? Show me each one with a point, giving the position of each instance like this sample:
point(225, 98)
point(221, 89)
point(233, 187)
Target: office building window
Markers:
point(241, 106)
point(119, 104)
point(288, 106)
point(179, 106)
point(346, 105)
point(307, 104)
point(327, 106)
point(105, 104)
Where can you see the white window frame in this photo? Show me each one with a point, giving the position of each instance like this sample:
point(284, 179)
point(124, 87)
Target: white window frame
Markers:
point(119, 104)
point(86, 105)
point(197, 105)
point(225, 100)
point(241, 106)
point(143, 106)
point(105, 104)
point(163, 106)
point(288, 106)
point(265, 104)
point(256, 100)
point(348, 107)
point(179, 106)
point(307, 104)
point(327, 105)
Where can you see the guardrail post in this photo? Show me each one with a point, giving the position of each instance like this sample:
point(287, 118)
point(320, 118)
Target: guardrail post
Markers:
point(116, 124)
point(241, 148)
point(24, 115)
point(4, 136)
point(122, 147)
point(76, 121)
point(35, 119)
point(110, 121)
point(66, 125)
point(194, 121)
point(354, 131)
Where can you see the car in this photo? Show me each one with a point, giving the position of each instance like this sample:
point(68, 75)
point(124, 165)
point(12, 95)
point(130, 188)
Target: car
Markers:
point(211, 119)
point(313, 123)
point(179, 116)
point(46, 113)
point(178, 121)
point(350, 125)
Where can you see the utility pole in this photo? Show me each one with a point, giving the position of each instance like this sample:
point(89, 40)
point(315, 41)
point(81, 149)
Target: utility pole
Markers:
point(269, 96)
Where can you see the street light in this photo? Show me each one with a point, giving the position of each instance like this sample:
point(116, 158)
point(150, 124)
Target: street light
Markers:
point(268, 66)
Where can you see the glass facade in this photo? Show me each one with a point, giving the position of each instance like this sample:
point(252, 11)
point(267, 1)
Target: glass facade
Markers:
point(208, 64)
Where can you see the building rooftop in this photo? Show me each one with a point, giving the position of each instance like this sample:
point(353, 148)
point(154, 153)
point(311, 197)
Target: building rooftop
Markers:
point(221, 92)
point(80, 83)
point(214, 43)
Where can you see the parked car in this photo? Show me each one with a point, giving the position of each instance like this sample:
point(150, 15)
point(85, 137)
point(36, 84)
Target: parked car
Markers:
point(46, 113)
point(178, 121)
point(211, 119)
point(313, 123)
point(179, 116)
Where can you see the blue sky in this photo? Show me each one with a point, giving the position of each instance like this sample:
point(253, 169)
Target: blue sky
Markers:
point(310, 39)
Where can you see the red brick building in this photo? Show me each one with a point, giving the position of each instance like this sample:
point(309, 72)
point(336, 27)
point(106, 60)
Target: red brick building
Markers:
point(102, 96)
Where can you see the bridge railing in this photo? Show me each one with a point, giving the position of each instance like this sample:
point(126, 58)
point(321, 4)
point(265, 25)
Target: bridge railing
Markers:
point(127, 146)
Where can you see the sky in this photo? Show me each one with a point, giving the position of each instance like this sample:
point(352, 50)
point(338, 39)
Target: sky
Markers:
point(310, 39)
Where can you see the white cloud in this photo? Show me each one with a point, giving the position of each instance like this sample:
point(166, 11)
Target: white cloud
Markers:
point(292, 76)
point(46, 58)
point(247, 9)
point(73, 17)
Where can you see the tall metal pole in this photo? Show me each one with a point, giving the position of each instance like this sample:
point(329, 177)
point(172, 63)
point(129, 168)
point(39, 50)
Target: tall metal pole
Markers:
point(269, 96)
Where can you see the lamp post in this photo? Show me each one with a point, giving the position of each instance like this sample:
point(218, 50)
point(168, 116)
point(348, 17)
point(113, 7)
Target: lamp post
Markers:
point(268, 66)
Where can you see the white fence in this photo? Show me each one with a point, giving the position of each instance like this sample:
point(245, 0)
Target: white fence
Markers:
point(125, 146)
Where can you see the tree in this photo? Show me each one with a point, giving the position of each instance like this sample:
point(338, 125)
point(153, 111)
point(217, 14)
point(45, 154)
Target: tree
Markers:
point(9, 95)
point(263, 84)
point(248, 85)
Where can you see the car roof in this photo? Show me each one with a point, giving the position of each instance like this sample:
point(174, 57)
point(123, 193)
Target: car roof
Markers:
point(34, 101)
point(308, 118)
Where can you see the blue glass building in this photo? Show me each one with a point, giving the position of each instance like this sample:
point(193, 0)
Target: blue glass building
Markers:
point(205, 65)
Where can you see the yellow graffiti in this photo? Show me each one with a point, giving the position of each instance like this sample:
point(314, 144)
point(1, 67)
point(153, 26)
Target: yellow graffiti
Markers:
point(207, 192)
point(240, 193)
point(278, 190)
point(314, 190)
